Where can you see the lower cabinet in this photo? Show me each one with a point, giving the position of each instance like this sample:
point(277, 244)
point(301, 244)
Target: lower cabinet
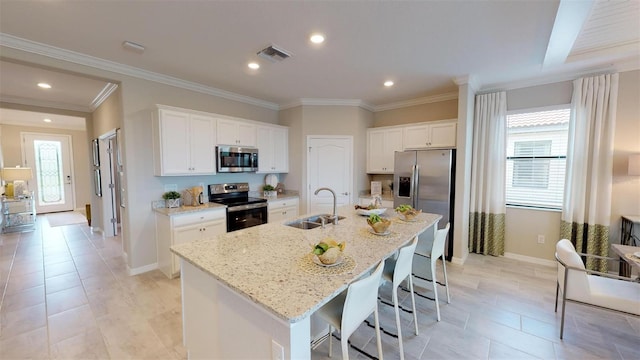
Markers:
point(182, 228)
point(280, 210)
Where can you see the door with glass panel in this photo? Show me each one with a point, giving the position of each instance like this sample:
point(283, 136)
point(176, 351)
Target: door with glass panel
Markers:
point(49, 156)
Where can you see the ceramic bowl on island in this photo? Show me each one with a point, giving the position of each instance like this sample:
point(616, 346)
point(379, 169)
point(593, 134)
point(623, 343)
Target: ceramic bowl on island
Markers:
point(407, 213)
point(328, 251)
point(378, 224)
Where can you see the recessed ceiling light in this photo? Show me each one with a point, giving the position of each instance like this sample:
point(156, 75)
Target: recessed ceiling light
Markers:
point(131, 46)
point(44, 85)
point(47, 120)
point(254, 65)
point(317, 38)
point(388, 83)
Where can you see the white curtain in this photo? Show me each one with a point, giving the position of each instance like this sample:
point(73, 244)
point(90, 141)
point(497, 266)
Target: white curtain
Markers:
point(586, 209)
point(488, 166)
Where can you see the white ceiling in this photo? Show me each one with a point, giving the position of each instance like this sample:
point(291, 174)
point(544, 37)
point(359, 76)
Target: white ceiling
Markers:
point(423, 46)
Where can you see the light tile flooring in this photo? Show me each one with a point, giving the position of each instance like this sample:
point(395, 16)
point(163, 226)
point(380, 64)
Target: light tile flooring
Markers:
point(66, 295)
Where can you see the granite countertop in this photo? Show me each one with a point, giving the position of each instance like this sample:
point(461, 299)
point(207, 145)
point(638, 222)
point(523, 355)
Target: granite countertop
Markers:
point(270, 263)
point(188, 209)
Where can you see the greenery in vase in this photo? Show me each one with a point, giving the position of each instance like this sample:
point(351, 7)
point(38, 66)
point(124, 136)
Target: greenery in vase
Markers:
point(268, 188)
point(171, 195)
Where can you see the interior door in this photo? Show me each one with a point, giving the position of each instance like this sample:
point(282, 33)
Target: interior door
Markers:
point(49, 155)
point(329, 164)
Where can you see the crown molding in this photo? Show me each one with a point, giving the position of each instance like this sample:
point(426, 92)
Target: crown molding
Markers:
point(17, 43)
point(328, 102)
point(44, 104)
point(103, 95)
point(418, 101)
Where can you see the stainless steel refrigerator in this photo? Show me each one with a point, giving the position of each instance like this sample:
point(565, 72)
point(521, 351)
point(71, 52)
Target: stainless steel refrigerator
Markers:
point(425, 179)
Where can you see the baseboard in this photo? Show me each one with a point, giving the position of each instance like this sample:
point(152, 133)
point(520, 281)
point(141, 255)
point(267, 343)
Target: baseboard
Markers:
point(142, 269)
point(96, 229)
point(530, 259)
point(459, 261)
point(81, 211)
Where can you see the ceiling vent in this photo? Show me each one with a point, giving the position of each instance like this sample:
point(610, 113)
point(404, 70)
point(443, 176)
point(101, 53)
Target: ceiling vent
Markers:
point(273, 54)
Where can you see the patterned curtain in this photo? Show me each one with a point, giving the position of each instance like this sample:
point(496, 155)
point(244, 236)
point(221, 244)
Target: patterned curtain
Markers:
point(488, 167)
point(586, 210)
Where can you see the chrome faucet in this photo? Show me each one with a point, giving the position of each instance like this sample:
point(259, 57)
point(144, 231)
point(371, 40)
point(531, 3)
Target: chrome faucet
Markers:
point(334, 216)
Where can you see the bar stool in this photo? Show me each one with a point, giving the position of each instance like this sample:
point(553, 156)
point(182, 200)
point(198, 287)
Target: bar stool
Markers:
point(437, 252)
point(396, 271)
point(349, 309)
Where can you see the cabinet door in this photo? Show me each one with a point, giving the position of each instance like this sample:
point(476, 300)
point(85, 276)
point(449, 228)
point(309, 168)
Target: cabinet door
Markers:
point(213, 229)
point(202, 146)
point(442, 135)
point(392, 143)
point(184, 234)
point(226, 132)
point(280, 150)
point(416, 137)
point(246, 134)
point(174, 142)
point(375, 151)
point(266, 146)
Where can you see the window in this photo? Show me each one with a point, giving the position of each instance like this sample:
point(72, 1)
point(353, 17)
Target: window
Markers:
point(536, 158)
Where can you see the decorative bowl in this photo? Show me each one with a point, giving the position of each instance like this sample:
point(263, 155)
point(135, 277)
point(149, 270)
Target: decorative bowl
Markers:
point(332, 254)
point(409, 215)
point(381, 226)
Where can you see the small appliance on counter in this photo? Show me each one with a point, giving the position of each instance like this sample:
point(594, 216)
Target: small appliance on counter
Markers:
point(194, 196)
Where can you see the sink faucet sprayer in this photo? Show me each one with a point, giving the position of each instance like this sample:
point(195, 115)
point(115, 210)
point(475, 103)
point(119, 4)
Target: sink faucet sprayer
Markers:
point(333, 216)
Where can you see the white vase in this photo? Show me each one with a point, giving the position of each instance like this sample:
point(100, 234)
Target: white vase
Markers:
point(172, 203)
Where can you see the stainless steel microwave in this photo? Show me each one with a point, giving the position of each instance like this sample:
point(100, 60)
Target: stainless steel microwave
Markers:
point(236, 159)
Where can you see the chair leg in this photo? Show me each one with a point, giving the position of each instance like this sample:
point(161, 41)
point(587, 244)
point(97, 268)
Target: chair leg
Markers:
point(446, 281)
point(330, 342)
point(395, 306)
point(378, 338)
point(413, 303)
point(557, 289)
point(435, 287)
point(564, 304)
point(344, 342)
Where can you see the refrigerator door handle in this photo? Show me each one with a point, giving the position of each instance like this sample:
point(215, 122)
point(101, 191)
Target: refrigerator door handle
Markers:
point(414, 185)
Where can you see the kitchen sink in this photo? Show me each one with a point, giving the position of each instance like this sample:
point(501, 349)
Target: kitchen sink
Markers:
point(312, 222)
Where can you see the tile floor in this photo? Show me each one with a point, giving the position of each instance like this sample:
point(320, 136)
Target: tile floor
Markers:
point(66, 295)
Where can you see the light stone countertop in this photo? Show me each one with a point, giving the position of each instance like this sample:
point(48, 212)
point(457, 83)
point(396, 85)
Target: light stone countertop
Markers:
point(188, 209)
point(263, 263)
point(284, 196)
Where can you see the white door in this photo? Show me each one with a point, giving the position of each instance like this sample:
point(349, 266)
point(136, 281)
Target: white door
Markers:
point(329, 164)
point(49, 156)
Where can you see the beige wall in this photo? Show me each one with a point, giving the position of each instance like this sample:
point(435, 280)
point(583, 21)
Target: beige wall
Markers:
point(441, 110)
point(625, 196)
point(12, 153)
point(325, 120)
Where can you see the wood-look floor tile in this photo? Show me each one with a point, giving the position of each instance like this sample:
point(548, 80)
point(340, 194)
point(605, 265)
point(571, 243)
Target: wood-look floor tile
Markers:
point(501, 351)
point(20, 283)
point(86, 345)
point(70, 323)
point(62, 282)
point(28, 345)
point(23, 299)
point(65, 299)
point(53, 270)
point(23, 320)
point(130, 340)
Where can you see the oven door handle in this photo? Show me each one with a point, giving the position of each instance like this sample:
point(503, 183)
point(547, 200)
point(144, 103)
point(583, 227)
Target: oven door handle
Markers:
point(246, 207)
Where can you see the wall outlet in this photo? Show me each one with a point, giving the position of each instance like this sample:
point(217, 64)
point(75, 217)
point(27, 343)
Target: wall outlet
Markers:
point(540, 239)
point(170, 187)
point(277, 351)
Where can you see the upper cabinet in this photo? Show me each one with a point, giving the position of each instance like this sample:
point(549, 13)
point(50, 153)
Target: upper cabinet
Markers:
point(231, 132)
point(382, 143)
point(273, 149)
point(425, 136)
point(184, 143)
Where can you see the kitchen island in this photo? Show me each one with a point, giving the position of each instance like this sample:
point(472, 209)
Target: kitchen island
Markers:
point(251, 293)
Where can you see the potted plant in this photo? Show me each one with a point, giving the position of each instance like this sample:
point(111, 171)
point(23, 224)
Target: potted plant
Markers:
point(172, 199)
point(269, 191)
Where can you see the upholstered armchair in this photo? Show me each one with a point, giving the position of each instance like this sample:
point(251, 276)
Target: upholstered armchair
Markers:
point(583, 286)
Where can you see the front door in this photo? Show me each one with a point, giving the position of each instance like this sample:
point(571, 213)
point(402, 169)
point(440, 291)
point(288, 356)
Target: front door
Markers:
point(329, 164)
point(49, 156)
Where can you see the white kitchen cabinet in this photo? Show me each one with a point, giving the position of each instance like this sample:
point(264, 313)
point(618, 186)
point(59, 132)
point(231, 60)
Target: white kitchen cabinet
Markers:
point(273, 147)
point(182, 228)
point(381, 146)
point(425, 136)
point(183, 143)
point(231, 132)
point(280, 210)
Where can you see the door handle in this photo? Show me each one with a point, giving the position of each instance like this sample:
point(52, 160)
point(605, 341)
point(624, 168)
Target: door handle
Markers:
point(345, 193)
point(68, 179)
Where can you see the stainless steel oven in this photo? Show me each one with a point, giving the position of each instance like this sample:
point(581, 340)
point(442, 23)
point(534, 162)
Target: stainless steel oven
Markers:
point(236, 159)
point(242, 211)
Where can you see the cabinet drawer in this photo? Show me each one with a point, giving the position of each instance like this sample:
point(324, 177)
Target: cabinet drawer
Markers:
point(198, 217)
point(274, 205)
